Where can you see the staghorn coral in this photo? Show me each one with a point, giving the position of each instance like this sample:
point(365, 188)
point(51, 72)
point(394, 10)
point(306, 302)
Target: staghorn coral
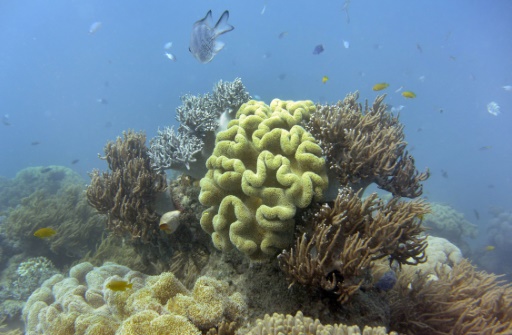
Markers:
point(279, 324)
point(126, 193)
point(81, 304)
point(264, 166)
point(366, 145)
point(337, 255)
point(460, 301)
point(199, 116)
point(67, 212)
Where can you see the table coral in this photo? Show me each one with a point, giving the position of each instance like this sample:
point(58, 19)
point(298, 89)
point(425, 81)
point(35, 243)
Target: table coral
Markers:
point(82, 304)
point(264, 166)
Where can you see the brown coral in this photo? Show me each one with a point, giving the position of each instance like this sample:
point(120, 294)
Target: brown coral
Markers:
point(127, 192)
point(366, 145)
point(337, 255)
point(461, 301)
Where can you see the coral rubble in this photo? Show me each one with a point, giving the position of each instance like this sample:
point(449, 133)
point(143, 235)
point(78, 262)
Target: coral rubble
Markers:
point(263, 167)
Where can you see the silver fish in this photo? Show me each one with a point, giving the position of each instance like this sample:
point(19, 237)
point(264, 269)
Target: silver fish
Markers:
point(203, 40)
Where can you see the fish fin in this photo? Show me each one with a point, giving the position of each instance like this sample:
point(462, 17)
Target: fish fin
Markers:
point(218, 46)
point(208, 18)
point(222, 25)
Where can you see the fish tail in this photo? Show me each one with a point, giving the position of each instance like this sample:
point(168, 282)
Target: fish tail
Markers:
point(222, 25)
point(130, 285)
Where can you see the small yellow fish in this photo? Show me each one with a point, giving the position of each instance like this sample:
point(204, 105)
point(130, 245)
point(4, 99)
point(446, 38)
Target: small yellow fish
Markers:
point(408, 94)
point(380, 86)
point(119, 285)
point(490, 248)
point(45, 232)
point(324, 79)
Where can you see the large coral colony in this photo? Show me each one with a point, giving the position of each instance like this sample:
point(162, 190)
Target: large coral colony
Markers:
point(264, 227)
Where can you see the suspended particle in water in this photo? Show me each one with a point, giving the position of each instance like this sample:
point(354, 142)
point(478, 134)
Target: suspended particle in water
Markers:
point(493, 108)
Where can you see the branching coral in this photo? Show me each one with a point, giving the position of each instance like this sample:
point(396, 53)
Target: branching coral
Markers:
point(126, 193)
point(366, 145)
point(263, 167)
point(337, 255)
point(199, 116)
point(461, 301)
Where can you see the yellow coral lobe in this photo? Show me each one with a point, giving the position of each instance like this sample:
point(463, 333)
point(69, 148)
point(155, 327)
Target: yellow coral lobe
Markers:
point(45, 232)
point(380, 86)
point(408, 94)
point(119, 285)
point(263, 167)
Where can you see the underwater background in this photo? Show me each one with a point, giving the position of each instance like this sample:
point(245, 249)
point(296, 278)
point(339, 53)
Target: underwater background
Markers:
point(65, 90)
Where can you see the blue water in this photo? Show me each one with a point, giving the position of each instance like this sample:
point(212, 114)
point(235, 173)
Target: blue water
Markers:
point(52, 72)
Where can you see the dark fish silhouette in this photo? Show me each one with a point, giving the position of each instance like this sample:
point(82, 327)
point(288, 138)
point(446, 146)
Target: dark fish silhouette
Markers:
point(203, 40)
point(444, 174)
point(46, 169)
point(477, 215)
point(318, 49)
point(35, 143)
point(74, 161)
point(282, 35)
point(5, 120)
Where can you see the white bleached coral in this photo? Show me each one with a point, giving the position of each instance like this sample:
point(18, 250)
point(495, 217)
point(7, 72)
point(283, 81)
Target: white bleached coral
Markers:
point(82, 304)
point(187, 148)
point(441, 255)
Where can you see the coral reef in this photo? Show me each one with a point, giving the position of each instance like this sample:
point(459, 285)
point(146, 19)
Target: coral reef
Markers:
point(442, 255)
point(19, 282)
point(112, 248)
point(82, 304)
point(126, 193)
point(299, 324)
point(263, 167)
point(199, 116)
point(337, 255)
point(460, 301)
point(445, 221)
point(67, 212)
point(366, 145)
point(500, 231)
point(50, 180)
point(499, 237)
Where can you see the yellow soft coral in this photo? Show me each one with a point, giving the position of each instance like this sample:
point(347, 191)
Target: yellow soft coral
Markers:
point(263, 167)
point(155, 305)
point(210, 304)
